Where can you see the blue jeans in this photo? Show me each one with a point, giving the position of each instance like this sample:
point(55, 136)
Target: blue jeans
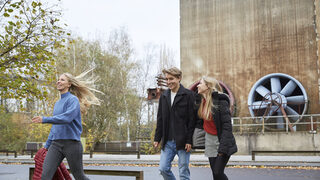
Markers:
point(167, 156)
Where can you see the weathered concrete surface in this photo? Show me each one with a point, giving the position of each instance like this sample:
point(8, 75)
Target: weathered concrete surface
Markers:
point(277, 141)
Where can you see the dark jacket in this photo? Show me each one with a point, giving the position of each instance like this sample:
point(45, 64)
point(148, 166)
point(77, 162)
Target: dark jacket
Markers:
point(199, 121)
point(222, 120)
point(183, 117)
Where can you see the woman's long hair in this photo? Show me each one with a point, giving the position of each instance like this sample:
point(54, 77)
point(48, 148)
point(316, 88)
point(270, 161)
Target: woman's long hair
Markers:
point(83, 88)
point(206, 104)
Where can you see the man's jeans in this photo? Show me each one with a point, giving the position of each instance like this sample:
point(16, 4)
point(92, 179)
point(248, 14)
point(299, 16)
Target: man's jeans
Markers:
point(167, 156)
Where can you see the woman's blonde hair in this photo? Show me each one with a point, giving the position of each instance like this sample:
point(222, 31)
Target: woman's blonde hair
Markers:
point(205, 107)
point(83, 89)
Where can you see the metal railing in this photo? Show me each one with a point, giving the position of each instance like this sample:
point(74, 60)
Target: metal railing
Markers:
point(261, 124)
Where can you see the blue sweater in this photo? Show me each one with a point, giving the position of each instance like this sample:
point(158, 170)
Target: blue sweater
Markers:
point(66, 119)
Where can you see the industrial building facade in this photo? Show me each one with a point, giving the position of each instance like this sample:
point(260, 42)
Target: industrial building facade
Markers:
point(240, 41)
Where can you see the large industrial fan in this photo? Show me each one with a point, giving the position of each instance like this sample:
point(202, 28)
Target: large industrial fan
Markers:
point(279, 99)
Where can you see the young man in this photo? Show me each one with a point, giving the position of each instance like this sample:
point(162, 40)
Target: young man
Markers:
point(175, 125)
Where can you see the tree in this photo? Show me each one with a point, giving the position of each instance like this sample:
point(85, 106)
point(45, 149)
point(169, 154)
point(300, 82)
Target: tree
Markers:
point(144, 79)
point(12, 133)
point(166, 57)
point(29, 34)
point(119, 45)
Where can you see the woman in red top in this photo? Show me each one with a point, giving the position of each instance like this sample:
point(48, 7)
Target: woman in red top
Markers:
point(214, 109)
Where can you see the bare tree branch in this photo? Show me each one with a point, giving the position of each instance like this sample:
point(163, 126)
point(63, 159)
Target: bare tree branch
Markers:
point(6, 2)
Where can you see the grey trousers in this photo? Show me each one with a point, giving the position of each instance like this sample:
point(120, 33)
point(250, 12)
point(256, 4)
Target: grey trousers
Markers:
point(60, 149)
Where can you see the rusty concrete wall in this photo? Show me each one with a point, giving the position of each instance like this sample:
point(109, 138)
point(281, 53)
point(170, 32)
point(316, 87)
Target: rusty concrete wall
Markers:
point(317, 17)
point(240, 41)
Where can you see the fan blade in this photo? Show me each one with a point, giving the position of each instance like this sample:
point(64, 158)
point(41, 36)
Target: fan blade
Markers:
point(260, 104)
point(288, 88)
point(291, 111)
point(275, 84)
point(295, 99)
point(280, 120)
point(262, 90)
point(272, 110)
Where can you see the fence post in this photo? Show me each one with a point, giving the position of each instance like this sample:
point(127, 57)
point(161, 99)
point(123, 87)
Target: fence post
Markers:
point(287, 126)
point(253, 155)
point(263, 125)
point(240, 125)
point(311, 119)
point(31, 172)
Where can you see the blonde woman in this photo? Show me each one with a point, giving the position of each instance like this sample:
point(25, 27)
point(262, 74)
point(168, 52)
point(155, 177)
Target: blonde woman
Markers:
point(64, 138)
point(219, 140)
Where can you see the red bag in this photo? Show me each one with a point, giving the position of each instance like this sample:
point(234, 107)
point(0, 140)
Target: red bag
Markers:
point(61, 174)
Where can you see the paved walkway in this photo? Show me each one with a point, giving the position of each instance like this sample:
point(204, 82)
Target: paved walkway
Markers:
point(195, 159)
point(21, 172)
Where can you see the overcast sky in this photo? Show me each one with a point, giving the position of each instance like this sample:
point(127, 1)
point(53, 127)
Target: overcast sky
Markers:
point(155, 21)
